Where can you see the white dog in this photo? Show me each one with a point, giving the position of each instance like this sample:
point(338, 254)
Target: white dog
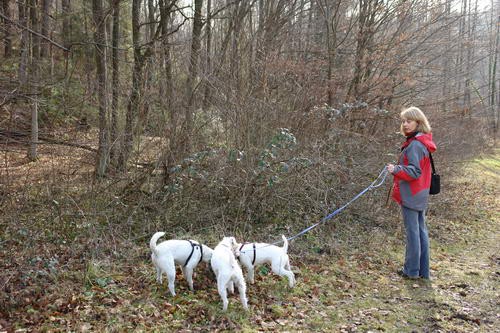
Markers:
point(167, 254)
point(228, 271)
point(254, 254)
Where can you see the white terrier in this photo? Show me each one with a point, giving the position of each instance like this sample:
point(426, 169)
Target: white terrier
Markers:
point(253, 254)
point(167, 254)
point(228, 271)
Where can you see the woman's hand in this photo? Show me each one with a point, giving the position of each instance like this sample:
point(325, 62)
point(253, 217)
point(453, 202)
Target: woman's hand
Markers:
point(390, 168)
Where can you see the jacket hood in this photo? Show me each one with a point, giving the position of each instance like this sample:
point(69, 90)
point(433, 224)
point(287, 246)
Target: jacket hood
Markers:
point(426, 140)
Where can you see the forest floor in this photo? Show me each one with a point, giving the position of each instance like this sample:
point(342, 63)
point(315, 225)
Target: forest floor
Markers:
point(46, 286)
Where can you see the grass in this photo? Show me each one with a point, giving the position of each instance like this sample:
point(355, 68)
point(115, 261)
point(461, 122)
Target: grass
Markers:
point(345, 273)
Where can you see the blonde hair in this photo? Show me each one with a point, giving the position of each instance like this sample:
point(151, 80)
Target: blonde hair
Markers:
point(414, 113)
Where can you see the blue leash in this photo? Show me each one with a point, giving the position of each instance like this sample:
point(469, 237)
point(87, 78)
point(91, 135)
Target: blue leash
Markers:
point(376, 183)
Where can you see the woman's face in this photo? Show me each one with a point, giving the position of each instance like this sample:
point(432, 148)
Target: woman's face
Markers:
point(409, 126)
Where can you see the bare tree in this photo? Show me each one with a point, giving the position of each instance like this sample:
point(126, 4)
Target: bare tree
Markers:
point(101, 76)
point(33, 147)
point(34, 20)
point(135, 99)
point(493, 76)
point(367, 17)
point(191, 83)
point(45, 27)
point(208, 47)
point(167, 89)
point(7, 38)
point(24, 45)
point(331, 16)
point(115, 80)
point(446, 54)
point(66, 24)
point(34, 78)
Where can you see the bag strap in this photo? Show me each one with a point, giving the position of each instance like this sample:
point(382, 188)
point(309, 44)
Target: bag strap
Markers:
point(432, 163)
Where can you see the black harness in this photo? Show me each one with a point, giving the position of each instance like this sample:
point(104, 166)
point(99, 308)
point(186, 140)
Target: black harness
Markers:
point(193, 246)
point(254, 252)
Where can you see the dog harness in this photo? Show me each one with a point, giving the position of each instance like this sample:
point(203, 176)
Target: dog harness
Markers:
point(254, 252)
point(193, 246)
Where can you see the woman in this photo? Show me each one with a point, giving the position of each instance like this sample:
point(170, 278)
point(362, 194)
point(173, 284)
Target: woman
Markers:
point(412, 179)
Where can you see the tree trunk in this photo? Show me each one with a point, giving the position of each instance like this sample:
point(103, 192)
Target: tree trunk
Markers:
point(258, 72)
point(33, 82)
point(446, 56)
point(235, 56)
point(148, 64)
point(23, 47)
point(135, 95)
point(7, 38)
point(168, 157)
point(468, 60)
point(208, 29)
point(330, 17)
point(364, 38)
point(115, 81)
point(151, 19)
point(471, 38)
point(66, 25)
point(35, 40)
point(33, 148)
point(309, 31)
point(459, 68)
point(100, 59)
point(45, 28)
point(192, 75)
point(494, 99)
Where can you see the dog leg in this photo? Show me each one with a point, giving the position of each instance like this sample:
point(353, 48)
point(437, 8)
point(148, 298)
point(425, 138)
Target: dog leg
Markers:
point(287, 265)
point(171, 280)
point(291, 276)
point(242, 288)
point(157, 267)
point(245, 262)
point(230, 287)
point(280, 270)
point(159, 275)
point(221, 287)
point(188, 275)
point(251, 275)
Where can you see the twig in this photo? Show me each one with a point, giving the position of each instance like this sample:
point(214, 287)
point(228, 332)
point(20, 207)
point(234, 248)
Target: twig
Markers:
point(12, 134)
point(34, 32)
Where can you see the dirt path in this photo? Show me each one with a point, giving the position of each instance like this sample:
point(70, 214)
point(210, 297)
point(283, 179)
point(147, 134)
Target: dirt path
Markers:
point(467, 270)
point(357, 288)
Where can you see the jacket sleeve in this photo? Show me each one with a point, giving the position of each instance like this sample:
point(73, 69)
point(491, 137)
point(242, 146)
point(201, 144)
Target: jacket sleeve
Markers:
point(414, 153)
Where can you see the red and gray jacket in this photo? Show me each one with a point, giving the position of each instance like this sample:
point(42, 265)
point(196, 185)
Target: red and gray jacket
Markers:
point(412, 176)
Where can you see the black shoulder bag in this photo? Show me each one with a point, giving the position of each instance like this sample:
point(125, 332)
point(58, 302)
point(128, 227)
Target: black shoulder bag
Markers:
point(435, 179)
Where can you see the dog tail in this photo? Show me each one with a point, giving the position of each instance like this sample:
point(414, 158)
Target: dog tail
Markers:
point(285, 244)
point(154, 239)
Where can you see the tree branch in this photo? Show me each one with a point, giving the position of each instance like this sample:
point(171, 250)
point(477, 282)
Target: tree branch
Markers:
point(33, 32)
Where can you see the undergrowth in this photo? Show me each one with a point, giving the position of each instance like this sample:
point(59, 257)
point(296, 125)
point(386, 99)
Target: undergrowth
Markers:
point(76, 258)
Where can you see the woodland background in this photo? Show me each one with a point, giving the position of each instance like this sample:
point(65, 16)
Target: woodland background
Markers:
point(205, 118)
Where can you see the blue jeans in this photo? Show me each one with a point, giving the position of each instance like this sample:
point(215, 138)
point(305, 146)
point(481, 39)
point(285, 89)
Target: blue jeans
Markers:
point(417, 244)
